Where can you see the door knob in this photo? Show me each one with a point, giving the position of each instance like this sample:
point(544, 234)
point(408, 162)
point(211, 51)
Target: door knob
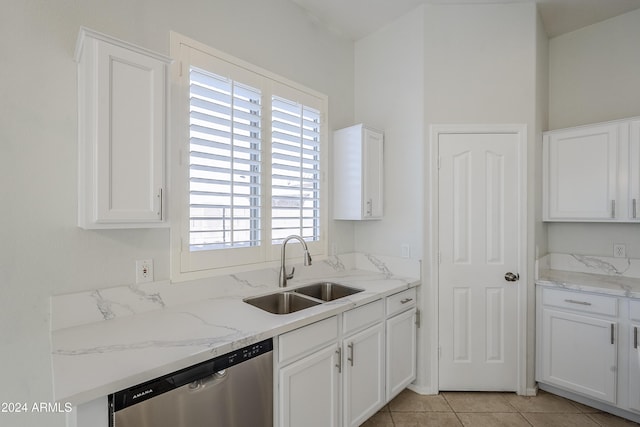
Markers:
point(510, 277)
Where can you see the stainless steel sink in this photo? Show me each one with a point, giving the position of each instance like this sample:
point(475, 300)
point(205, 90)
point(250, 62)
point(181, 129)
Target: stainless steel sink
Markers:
point(327, 291)
point(282, 303)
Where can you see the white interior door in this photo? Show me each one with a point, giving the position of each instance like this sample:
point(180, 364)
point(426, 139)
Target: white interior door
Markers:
point(478, 245)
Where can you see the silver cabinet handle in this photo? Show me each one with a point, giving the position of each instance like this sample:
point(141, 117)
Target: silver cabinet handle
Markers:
point(612, 334)
point(406, 300)
point(635, 337)
point(572, 301)
point(350, 358)
point(370, 207)
point(634, 203)
point(339, 365)
point(613, 209)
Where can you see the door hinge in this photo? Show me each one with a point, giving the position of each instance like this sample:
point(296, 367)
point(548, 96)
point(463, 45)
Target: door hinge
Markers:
point(418, 318)
point(439, 257)
point(439, 353)
point(439, 161)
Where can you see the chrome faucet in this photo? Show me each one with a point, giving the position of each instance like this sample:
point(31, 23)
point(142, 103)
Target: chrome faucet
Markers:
point(282, 280)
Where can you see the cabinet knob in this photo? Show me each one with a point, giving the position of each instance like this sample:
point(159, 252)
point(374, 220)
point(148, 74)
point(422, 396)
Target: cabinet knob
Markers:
point(511, 277)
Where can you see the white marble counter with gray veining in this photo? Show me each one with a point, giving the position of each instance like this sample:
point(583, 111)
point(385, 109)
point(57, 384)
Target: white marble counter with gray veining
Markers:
point(588, 282)
point(165, 330)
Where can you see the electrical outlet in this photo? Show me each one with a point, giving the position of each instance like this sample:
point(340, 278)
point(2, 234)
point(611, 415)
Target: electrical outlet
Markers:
point(619, 250)
point(144, 270)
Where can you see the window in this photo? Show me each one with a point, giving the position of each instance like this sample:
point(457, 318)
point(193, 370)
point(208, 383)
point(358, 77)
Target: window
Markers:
point(250, 146)
point(224, 166)
point(295, 171)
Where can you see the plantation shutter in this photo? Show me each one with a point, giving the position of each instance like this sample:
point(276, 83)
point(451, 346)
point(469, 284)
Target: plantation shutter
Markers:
point(295, 170)
point(224, 162)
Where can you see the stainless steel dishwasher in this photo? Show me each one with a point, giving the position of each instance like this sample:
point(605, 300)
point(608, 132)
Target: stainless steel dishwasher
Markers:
point(234, 390)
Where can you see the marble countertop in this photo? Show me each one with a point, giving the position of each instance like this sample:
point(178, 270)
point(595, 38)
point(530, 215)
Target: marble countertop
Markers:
point(588, 282)
point(96, 359)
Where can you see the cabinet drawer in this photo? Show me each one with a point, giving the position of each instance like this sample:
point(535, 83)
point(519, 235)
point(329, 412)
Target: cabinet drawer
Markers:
point(302, 340)
point(363, 316)
point(634, 310)
point(588, 303)
point(401, 301)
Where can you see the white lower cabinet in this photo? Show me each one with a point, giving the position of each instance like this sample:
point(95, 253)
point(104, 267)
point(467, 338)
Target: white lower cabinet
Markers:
point(401, 352)
point(309, 390)
point(579, 353)
point(335, 372)
point(634, 367)
point(363, 375)
point(577, 340)
point(634, 355)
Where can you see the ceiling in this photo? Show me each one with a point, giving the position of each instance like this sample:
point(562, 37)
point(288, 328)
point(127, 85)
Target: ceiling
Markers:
point(355, 19)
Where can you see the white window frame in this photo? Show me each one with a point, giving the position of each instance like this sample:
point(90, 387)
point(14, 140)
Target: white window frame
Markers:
point(188, 265)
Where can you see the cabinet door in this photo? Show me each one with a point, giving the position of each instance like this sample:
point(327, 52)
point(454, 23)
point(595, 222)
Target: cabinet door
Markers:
point(582, 174)
point(357, 173)
point(373, 174)
point(363, 356)
point(130, 135)
point(308, 390)
point(401, 352)
point(579, 354)
point(634, 171)
point(634, 367)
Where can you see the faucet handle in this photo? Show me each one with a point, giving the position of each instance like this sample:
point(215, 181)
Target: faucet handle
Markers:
point(290, 276)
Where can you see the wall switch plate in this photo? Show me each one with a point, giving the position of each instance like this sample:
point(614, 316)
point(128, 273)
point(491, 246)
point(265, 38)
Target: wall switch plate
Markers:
point(406, 251)
point(144, 270)
point(619, 250)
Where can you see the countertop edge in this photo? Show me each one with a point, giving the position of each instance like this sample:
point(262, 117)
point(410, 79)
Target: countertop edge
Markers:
point(620, 286)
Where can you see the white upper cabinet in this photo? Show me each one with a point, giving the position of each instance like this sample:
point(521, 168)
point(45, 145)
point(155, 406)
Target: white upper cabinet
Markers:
point(358, 173)
point(591, 173)
point(122, 115)
point(633, 211)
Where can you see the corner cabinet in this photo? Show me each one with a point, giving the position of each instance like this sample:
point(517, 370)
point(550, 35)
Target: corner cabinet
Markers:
point(358, 173)
point(122, 120)
point(592, 173)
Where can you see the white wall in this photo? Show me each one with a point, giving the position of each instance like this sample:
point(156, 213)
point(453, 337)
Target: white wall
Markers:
point(481, 66)
point(594, 73)
point(475, 64)
point(389, 96)
point(594, 76)
point(42, 251)
point(540, 243)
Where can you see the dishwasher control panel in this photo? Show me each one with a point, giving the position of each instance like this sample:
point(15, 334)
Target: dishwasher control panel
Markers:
point(246, 354)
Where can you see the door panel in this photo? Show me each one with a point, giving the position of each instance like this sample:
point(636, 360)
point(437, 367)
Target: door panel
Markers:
point(478, 241)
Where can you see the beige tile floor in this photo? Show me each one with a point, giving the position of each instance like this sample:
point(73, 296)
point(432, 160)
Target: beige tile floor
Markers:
point(483, 409)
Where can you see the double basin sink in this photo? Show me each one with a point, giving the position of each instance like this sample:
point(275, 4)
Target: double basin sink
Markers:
point(293, 300)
